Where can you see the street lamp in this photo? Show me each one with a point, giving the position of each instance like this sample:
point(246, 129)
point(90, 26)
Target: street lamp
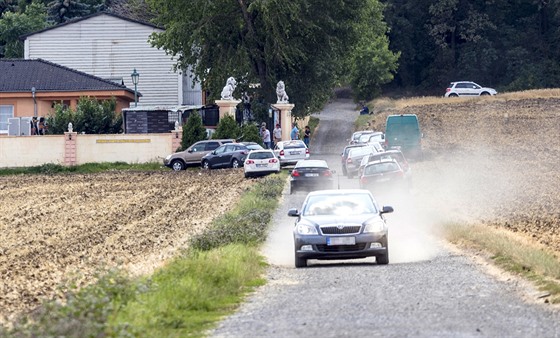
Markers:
point(135, 76)
point(33, 91)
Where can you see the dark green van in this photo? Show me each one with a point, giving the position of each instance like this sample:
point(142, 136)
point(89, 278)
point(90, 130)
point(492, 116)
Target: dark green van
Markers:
point(403, 132)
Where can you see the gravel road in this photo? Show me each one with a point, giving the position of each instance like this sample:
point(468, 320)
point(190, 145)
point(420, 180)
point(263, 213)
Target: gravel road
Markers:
point(428, 289)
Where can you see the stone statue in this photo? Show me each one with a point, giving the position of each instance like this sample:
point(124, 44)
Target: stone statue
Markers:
point(227, 92)
point(70, 127)
point(176, 125)
point(281, 92)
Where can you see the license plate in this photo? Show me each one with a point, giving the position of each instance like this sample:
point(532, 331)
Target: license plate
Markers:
point(312, 175)
point(262, 165)
point(341, 240)
point(294, 153)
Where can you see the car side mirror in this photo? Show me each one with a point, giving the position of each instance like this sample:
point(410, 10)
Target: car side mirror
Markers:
point(293, 212)
point(386, 209)
point(190, 150)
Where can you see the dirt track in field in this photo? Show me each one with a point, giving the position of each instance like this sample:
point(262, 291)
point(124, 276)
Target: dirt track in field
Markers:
point(53, 227)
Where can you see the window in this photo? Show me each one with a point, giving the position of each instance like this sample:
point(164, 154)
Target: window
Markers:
point(6, 112)
point(212, 145)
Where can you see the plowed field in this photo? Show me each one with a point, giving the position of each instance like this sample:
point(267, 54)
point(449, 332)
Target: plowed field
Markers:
point(53, 227)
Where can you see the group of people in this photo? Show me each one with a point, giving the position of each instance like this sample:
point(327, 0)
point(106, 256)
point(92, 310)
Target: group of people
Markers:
point(38, 128)
point(277, 135)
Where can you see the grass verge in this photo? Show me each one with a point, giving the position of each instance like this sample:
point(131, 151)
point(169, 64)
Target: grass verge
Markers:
point(512, 253)
point(87, 168)
point(186, 297)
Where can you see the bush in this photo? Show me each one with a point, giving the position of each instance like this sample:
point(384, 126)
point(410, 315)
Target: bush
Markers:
point(193, 131)
point(250, 133)
point(227, 128)
point(91, 117)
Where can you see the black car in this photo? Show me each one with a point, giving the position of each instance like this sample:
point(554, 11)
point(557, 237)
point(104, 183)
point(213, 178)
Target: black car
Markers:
point(231, 155)
point(311, 174)
point(340, 224)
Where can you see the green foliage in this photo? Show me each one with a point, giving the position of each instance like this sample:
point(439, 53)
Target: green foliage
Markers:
point(61, 11)
point(248, 223)
point(193, 130)
point(307, 44)
point(227, 128)
point(14, 24)
point(91, 116)
point(250, 133)
point(51, 168)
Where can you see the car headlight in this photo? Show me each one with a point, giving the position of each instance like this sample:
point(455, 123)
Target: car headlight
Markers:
point(168, 157)
point(375, 226)
point(306, 229)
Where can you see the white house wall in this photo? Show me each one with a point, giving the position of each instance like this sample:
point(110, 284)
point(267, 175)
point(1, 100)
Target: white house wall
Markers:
point(110, 47)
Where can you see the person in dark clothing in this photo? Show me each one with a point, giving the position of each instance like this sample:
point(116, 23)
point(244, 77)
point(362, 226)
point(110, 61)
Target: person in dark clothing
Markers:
point(306, 135)
point(34, 125)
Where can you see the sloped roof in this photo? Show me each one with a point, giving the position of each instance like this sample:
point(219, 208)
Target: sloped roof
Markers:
point(23, 37)
point(20, 75)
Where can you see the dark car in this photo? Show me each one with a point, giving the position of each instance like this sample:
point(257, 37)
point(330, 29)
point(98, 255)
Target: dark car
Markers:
point(311, 174)
point(344, 156)
point(193, 154)
point(397, 155)
point(384, 176)
point(230, 155)
point(340, 224)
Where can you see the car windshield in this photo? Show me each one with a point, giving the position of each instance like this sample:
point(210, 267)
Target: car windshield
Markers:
point(254, 146)
point(294, 145)
point(339, 205)
point(261, 155)
point(379, 168)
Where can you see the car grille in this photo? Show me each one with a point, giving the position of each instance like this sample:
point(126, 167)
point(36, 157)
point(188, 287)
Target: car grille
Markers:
point(334, 230)
point(341, 248)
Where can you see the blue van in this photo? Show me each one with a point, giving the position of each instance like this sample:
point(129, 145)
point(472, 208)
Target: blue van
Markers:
point(403, 132)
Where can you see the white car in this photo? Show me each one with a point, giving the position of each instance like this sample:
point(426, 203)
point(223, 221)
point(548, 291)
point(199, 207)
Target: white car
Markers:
point(467, 88)
point(290, 152)
point(261, 162)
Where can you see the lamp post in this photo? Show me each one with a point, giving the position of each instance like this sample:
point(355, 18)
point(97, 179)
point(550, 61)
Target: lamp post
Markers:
point(135, 76)
point(33, 91)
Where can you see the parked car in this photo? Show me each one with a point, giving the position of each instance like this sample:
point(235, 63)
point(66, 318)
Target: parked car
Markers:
point(402, 132)
point(340, 224)
point(355, 138)
point(377, 136)
point(467, 88)
point(354, 159)
point(261, 162)
point(193, 154)
point(384, 176)
point(290, 152)
point(397, 155)
point(311, 174)
point(229, 155)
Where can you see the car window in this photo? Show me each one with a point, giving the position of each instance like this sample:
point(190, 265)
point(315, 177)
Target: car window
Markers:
point(343, 205)
point(253, 147)
point(261, 155)
point(200, 146)
point(212, 145)
point(294, 145)
point(230, 148)
point(379, 168)
point(220, 150)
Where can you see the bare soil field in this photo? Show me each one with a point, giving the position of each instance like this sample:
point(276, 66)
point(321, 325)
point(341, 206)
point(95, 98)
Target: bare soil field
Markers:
point(54, 227)
point(491, 161)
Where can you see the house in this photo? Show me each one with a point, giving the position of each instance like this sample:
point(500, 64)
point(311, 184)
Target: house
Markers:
point(111, 46)
point(32, 88)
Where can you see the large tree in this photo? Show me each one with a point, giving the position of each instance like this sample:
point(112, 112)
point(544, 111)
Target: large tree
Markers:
point(309, 44)
point(13, 25)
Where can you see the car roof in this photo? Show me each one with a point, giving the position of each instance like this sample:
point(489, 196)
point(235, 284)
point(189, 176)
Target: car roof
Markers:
point(291, 142)
point(339, 192)
point(312, 163)
point(261, 151)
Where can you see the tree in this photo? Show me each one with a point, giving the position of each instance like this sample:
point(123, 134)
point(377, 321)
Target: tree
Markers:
point(13, 25)
point(91, 117)
point(227, 128)
point(193, 131)
point(307, 44)
point(250, 133)
point(61, 11)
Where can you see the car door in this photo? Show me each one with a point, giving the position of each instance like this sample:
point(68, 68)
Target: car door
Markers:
point(195, 152)
point(226, 156)
point(214, 156)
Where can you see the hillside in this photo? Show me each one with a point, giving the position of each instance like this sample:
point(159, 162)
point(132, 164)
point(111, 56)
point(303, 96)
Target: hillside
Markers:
point(493, 161)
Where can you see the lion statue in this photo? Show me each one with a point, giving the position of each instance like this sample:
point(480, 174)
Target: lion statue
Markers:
point(227, 92)
point(281, 92)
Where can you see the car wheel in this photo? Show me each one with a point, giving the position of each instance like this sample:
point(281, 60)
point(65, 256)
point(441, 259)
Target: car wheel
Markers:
point(453, 95)
point(247, 175)
point(484, 94)
point(300, 262)
point(177, 165)
point(382, 259)
point(206, 165)
point(235, 163)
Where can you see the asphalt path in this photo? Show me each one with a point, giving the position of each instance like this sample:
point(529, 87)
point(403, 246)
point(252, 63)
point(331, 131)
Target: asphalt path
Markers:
point(427, 290)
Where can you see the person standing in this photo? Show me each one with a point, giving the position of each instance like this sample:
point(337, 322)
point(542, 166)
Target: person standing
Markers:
point(34, 125)
point(266, 137)
point(294, 135)
point(42, 126)
point(277, 133)
point(306, 135)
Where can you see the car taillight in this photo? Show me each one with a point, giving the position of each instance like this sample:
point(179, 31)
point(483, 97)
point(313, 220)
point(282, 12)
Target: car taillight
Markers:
point(327, 173)
point(307, 151)
point(295, 173)
point(272, 160)
point(348, 160)
point(363, 180)
point(281, 152)
point(249, 162)
point(448, 89)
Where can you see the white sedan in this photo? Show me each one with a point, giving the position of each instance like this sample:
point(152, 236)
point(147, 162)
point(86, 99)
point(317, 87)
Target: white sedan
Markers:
point(261, 162)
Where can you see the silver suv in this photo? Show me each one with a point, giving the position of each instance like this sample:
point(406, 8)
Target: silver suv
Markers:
point(468, 88)
point(193, 154)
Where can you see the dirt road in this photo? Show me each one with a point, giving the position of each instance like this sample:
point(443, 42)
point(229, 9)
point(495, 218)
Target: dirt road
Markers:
point(426, 290)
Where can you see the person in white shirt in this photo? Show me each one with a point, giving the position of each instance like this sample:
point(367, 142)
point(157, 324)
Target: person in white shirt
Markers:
point(266, 137)
point(277, 134)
